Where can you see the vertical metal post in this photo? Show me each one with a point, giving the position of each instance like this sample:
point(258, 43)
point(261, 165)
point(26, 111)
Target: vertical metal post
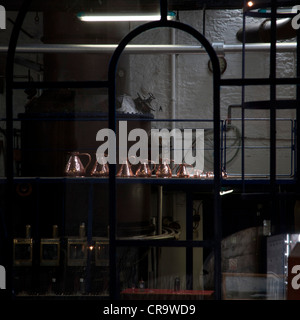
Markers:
point(222, 146)
point(159, 230)
point(217, 185)
point(163, 9)
point(9, 74)
point(63, 241)
point(36, 238)
point(203, 19)
point(159, 209)
point(243, 99)
point(274, 202)
point(89, 237)
point(225, 144)
point(189, 237)
point(297, 133)
point(273, 95)
point(293, 146)
point(114, 294)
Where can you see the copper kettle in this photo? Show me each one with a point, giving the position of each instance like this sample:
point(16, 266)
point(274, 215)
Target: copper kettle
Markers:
point(74, 167)
point(100, 168)
point(144, 170)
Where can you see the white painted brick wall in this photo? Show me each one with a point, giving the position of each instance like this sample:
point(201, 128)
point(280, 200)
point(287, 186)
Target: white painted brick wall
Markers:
point(194, 83)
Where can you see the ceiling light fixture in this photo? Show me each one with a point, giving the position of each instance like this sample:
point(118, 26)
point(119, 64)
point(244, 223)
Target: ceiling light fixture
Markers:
point(95, 17)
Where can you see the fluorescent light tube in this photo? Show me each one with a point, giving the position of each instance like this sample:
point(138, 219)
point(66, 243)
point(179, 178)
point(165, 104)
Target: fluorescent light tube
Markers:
point(106, 18)
point(94, 17)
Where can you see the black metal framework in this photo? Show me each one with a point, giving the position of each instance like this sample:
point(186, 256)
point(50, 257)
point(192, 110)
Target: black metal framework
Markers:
point(189, 244)
point(110, 84)
point(273, 104)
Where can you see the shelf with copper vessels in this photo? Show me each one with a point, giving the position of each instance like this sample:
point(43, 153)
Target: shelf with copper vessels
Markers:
point(230, 180)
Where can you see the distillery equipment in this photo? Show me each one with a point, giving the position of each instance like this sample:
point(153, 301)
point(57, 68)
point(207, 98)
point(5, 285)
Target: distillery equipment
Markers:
point(50, 249)
point(23, 249)
point(77, 248)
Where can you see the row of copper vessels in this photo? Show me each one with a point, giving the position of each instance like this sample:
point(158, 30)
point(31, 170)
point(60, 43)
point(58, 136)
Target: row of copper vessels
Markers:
point(147, 169)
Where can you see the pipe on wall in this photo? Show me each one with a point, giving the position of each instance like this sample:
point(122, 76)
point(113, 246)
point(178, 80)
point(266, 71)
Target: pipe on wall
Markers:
point(261, 32)
point(146, 49)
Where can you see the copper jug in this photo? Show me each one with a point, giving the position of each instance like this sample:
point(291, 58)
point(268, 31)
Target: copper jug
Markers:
point(100, 168)
point(164, 170)
point(125, 171)
point(182, 171)
point(74, 167)
point(144, 170)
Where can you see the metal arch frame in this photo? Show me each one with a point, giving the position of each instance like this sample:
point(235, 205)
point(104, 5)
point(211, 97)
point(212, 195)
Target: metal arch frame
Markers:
point(217, 148)
point(110, 84)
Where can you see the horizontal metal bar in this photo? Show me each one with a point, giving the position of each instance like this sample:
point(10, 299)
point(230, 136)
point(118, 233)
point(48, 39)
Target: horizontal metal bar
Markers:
point(279, 104)
point(59, 84)
point(260, 119)
point(233, 179)
point(77, 117)
point(280, 15)
point(146, 49)
point(260, 147)
point(259, 81)
point(163, 243)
